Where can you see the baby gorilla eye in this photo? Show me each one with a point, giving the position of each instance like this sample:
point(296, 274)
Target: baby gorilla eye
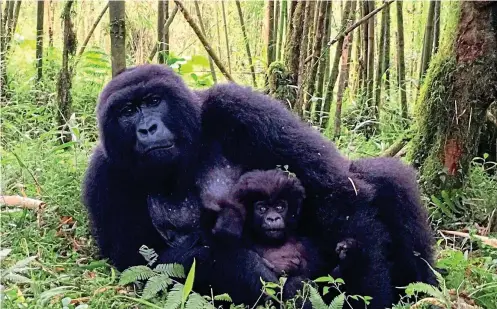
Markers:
point(281, 206)
point(259, 206)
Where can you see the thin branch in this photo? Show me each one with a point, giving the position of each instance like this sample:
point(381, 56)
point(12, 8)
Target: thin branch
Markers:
point(169, 21)
point(245, 38)
point(202, 39)
point(360, 22)
point(199, 16)
point(95, 24)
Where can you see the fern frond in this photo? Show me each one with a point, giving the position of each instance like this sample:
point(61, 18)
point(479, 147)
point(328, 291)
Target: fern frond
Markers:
point(20, 266)
point(425, 288)
point(172, 270)
point(136, 273)
point(173, 300)
point(316, 299)
point(223, 297)
point(15, 278)
point(195, 301)
point(156, 284)
point(337, 302)
point(148, 254)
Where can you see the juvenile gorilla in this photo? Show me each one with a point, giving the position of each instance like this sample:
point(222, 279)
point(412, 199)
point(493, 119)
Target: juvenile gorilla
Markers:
point(263, 210)
point(266, 206)
point(158, 138)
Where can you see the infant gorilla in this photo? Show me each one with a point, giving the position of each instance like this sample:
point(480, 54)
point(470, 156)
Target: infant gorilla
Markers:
point(264, 210)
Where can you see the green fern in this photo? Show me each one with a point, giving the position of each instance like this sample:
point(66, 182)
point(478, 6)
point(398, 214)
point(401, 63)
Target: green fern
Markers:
point(156, 284)
point(136, 273)
point(316, 299)
point(174, 297)
point(188, 284)
point(421, 287)
point(223, 297)
point(15, 272)
point(195, 301)
point(337, 302)
point(172, 270)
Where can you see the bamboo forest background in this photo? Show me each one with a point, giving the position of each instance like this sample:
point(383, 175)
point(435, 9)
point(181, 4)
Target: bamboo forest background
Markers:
point(411, 79)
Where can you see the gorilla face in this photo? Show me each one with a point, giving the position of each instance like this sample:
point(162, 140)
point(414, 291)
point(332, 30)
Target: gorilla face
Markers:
point(148, 117)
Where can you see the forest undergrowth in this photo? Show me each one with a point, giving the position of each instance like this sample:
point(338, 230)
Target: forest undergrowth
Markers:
point(49, 259)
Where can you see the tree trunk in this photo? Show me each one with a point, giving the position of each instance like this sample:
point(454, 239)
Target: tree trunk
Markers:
point(401, 64)
point(40, 13)
point(245, 39)
point(436, 30)
point(201, 23)
point(328, 99)
point(458, 89)
point(162, 16)
point(304, 52)
point(386, 52)
point(281, 27)
point(225, 22)
point(342, 84)
point(428, 40)
point(64, 81)
point(373, 110)
point(51, 20)
point(317, 50)
point(269, 32)
point(323, 63)
point(380, 64)
point(275, 26)
point(292, 45)
point(117, 36)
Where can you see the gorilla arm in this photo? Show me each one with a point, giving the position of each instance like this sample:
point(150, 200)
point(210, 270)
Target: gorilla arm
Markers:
point(119, 214)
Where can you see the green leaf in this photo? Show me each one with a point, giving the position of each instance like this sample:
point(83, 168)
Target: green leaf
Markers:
point(173, 300)
point(200, 60)
point(325, 279)
point(316, 299)
point(136, 273)
point(337, 302)
point(223, 297)
point(155, 285)
point(172, 270)
point(188, 284)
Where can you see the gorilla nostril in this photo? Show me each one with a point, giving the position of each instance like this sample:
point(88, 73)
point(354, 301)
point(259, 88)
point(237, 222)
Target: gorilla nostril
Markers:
point(143, 131)
point(152, 128)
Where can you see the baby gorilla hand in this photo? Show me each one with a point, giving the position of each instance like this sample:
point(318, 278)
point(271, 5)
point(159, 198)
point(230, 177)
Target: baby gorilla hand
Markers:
point(347, 248)
point(348, 251)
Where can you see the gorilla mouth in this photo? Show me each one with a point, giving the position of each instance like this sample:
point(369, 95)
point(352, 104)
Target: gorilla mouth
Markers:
point(160, 147)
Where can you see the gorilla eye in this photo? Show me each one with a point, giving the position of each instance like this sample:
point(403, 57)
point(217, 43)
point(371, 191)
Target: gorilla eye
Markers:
point(154, 101)
point(128, 110)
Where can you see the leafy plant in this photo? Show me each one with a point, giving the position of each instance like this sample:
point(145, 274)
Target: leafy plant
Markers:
point(16, 272)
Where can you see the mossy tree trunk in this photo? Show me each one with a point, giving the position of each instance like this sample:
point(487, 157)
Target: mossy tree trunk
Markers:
point(401, 63)
point(459, 88)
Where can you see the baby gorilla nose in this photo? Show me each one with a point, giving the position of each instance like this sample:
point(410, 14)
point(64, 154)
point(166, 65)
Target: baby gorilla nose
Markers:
point(147, 130)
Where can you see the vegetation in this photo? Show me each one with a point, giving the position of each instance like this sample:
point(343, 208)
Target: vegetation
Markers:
point(398, 101)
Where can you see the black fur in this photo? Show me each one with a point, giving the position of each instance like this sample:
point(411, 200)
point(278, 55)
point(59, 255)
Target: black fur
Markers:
point(374, 201)
point(236, 127)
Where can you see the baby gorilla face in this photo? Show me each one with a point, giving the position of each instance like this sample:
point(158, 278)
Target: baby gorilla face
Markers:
point(269, 219)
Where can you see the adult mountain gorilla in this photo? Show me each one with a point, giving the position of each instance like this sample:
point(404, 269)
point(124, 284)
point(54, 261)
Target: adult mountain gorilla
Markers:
point(158, 137)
